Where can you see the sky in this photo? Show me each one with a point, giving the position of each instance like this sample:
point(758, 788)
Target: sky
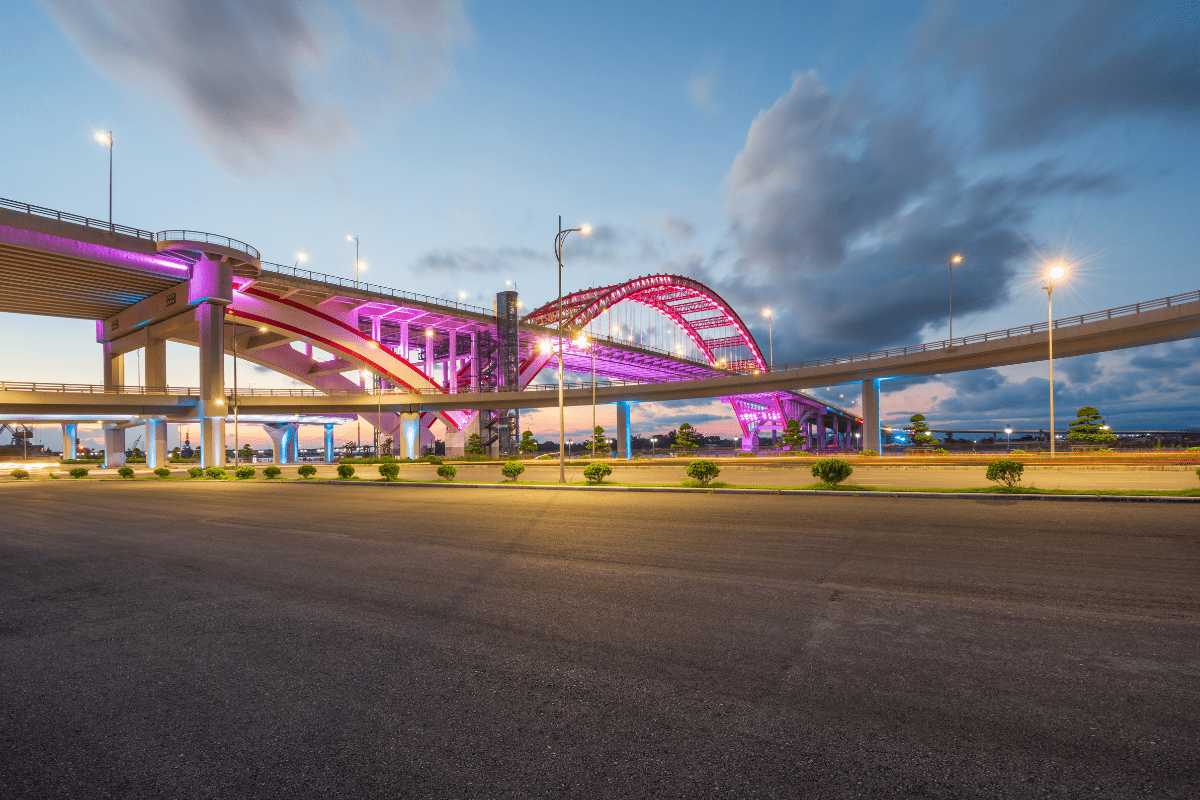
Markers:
point(821, 159)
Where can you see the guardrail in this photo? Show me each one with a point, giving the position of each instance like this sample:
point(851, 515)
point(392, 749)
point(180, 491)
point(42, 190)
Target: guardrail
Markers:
point(191, 391)
point(64, 216)
point(372, 288)
point(207, 238)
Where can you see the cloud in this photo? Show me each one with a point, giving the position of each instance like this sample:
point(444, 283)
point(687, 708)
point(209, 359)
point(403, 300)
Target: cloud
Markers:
point(487, 261)
point(701, 83)
point(253, 77)
point(847, 209)
point(1048, 69)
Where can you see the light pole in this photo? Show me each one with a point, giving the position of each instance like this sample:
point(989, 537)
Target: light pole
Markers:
point(770, 336)
point(357, 262)
point(562, 426)
point(954, 259)
point(653, 446)
point(299, 257)
point(1008, 433)
point(1056, 272)
point(107, 138)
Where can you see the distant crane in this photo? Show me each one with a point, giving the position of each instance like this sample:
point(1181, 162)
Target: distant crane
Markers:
point(21, 434)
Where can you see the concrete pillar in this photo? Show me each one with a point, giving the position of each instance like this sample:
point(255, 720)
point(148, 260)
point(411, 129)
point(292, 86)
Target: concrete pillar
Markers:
point(212, 409)
point(750, 441)
point(624, 439)
point(277, 434)
point(870, 410)
point(456, 441)
point(453, 364)
point(404, 340)
point(376, 329)
point(328, 442)
point(114, 380)
point(291, 442)
point(410, 436)
point(70, 431)
point(475, 361)
point(156, 443)
point(156, 365)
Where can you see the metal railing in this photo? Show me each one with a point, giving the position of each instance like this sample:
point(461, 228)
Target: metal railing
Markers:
point(192, 391)
point(207, 238)
point(64, 216)
point(373, 288)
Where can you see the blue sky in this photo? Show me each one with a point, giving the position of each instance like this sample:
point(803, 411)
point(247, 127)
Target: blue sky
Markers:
point(823, 159)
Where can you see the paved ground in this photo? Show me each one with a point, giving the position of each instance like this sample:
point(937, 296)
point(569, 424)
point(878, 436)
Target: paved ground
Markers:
point(284, 640)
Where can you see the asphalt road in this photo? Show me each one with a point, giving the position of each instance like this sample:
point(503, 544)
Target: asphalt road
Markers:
point(283, 640)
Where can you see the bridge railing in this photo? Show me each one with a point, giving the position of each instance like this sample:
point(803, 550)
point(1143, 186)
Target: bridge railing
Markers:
point(207, 238)
point(66, 216)
point(372, 288)
point(192, 391)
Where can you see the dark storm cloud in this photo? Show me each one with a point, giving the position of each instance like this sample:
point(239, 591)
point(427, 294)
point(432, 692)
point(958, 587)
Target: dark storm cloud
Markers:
point(252, 76)
point(846, 212)
point(1050, 68)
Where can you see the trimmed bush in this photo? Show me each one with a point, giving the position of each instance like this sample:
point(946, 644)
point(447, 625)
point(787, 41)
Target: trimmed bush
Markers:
point(19, 474)
point(703, 470)
point(447, 472)
point(125, 472)
point(78, 472)
point(512, 469)
point(941, 451)
point(345, 471)
point(433, 459)
point(306, 471)
point(872, 453)
point(389, 471)
point(273, 471)
point(1020, 452)
point(595, 473)
point(195, 472)
point(216, 473)
point(832, 471)
point(1193, 449)
point(1005, 471)
point(245, 472)
point(162, 472)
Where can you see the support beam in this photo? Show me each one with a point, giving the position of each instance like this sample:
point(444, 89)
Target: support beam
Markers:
point(114, 379)
point(328, 442)
point(474, 361)
point(410, 436)
point(624, 442)
point(210, 317)
point(453, 363)
point(156, 366)
point(156, 444)
point(70, 440)
point(870, 410)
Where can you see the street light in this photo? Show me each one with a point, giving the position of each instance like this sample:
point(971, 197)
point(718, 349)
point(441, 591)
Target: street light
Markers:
point(299, 257)
point(562, 426)
point(107, 138)
point(770, 334)
point(954, 259)
point(357, 262)
point(1008, 432)
point(653, 446)
point(1056, 272)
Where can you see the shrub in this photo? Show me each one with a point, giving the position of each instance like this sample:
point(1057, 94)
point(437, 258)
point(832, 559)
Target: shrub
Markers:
point(703, 470)
point(78, 472)
point(512, 469)
point(595, 473)
point(162, 472)
point(306, 471)
point(389, 471)
point(245, 472)
point(1005, 471)
point(433, 459)
point(19, 473)
point(195, 472)
point(345, 471)
point(447, 472)
point(941, 451)
point(125, 472)
point(869, 453)
point(274, 471)
point(1193, 449)
point(216, 473)
point(832, 471)
point(1019, 451)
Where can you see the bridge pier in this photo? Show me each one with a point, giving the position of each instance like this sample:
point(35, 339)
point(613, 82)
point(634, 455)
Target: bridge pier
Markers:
point(410, 436)
point(328, 442)
point(70, 439)
point(870, 411)
point(156, 443)
point(285, 442)
point(114, 381)
point(624, 440)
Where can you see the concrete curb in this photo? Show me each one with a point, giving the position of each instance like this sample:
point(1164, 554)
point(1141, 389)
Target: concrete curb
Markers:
point(765, 490)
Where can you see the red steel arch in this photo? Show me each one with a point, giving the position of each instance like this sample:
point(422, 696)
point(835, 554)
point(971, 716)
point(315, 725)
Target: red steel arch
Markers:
point(688, 303)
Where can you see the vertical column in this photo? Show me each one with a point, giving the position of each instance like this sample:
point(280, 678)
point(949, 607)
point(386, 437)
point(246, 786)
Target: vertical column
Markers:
point(292, 442)
point(277, 434)
point(376, 329)
point(870, 407)
point(453, 364)
point(212, 409)
point(114, 380)
point(410, 436)
point(70, 431)
point(456, 440)
point(156, 443)
point(156, 365)
point(475, 361)
point(328, 442)
point(404, 340)
point(624, 449)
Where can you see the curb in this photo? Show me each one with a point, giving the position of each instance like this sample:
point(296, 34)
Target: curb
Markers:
point(814, 492)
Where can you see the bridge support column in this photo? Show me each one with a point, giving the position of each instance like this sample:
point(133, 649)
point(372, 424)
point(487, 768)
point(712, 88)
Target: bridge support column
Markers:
point(328, 442)
point(212, 385)
point(452, 374)
point(624, 440)
point(156, 441)
point(70, 431)
point(156, 365)
point(285, 439)
point(114, 380)
point(474, 361)
point(750, 440)
point(410, 436)
point(870, 407)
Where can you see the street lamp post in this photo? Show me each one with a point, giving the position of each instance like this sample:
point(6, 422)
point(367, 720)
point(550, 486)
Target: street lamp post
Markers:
point(562, 425)
point(954, 259)
point(1008, 433)
point(770, 336)
point(299, 257)
point(653, 446)
point(107, 138)
point(357, 262)
point(1056, 272)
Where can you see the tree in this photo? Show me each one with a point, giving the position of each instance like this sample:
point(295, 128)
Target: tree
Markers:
point(349, 447)
point(512, 469)
point(920, 431)
point(1086, 428)
point(247, 451)
point(793, 435)
point(599, 441)
point(595, 473)
point(474, 445)
point(702, 470)
point(528, 443)
point(832, 471)
point(386, 447)
point(684, 437)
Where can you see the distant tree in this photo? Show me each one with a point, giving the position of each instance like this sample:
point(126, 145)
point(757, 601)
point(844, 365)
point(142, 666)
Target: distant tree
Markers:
point(247, 451)
point(528, 443)
point(349, 448)
point(920, 431)
point(793, 435)
point(1086, 428)
point(599, 442)
point(474, 445)
point(386, 447)
point(684, 437)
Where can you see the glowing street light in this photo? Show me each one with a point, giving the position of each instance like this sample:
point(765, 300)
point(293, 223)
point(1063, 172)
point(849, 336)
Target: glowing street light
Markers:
point(107, 138)
point(770, 333)
point(1008, 433)
point(300, 257)
point(954, 259)
point(562, 425)
point(357, 262)
point(1056, 272)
